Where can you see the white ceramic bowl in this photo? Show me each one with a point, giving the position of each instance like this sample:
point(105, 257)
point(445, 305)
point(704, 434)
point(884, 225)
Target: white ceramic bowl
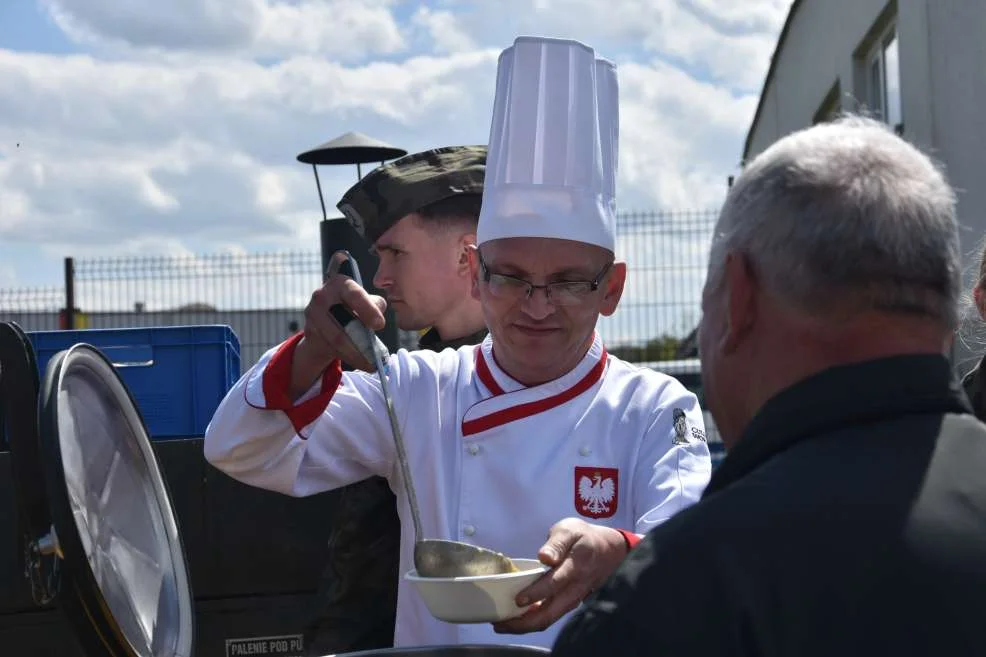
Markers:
point(480, 598)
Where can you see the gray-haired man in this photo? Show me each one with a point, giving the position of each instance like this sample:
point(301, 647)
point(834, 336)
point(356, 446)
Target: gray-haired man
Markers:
point(849, 517)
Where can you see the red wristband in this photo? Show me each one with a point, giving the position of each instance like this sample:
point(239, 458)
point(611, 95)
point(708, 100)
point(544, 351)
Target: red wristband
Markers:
point(631, 539)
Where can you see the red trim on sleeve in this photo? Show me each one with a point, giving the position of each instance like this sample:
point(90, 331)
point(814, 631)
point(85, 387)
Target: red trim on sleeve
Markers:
point(277, 380)
point(631, 539)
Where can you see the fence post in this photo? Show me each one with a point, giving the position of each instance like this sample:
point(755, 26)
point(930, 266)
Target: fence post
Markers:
point(69, 294)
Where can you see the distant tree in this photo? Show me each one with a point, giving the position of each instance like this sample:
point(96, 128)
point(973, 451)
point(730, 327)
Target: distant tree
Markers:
point(197, 306)
point(664, 347)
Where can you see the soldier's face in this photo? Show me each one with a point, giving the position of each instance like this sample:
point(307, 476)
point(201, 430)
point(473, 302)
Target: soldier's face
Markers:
point(424, 272)
point(537, 339)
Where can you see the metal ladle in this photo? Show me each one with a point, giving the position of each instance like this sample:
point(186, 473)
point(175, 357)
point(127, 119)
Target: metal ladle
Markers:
point(432, 557)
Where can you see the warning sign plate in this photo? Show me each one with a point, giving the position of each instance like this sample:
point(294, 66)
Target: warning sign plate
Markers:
point(290, 645)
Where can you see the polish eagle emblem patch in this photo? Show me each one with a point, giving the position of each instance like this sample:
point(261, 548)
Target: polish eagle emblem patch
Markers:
point(597, 491)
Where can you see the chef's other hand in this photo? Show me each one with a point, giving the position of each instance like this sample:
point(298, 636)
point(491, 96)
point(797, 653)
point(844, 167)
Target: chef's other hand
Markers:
point(324, 339)
point(581, 556)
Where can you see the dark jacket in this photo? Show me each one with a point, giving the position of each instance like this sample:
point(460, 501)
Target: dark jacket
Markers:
point(850, 519)
point(357, 599)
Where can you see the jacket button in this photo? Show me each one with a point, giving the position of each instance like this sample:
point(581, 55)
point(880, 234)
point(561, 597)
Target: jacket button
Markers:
point(474, 449)
point(468, 530)
point(584, 450)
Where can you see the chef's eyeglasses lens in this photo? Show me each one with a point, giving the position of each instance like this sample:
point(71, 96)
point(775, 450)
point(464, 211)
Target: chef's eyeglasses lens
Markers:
point(561, 293)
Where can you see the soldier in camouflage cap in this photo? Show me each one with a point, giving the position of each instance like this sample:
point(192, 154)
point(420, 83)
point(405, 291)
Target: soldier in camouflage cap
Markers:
point(419, 214)
point(405, 186)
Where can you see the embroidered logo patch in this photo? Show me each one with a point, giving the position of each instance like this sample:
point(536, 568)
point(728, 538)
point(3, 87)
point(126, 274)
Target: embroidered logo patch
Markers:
point(597, 491)
point(680, 427)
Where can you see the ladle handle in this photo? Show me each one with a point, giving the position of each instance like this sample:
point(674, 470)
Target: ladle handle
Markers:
point(375, 351)
point(372, 348)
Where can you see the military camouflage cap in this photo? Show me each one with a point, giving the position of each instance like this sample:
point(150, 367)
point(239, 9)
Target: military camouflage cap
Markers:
point(396, 189)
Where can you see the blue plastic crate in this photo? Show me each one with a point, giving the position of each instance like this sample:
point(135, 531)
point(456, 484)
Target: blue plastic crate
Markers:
point(178, 375)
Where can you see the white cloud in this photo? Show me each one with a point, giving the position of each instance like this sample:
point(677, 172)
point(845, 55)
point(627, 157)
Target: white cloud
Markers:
point(270, 191)
point(179, 129)
point(345, 29)
point(730, 41)
point(115, 149)
point(765, 16)
point(443, 31)
point(679, 137)
point(100, 196)
point(208, 24)
point(727, 40)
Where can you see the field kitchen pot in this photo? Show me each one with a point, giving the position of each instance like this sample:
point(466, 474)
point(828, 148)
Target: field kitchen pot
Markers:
point(97, 522)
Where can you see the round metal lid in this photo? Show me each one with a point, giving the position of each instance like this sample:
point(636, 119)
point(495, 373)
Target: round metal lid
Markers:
point(114, 525)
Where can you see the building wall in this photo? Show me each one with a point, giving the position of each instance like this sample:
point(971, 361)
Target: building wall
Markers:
point(817, 53)
point(942, 54)
point(957, 48)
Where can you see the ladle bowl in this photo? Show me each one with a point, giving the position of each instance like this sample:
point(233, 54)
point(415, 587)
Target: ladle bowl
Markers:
point(441, 558)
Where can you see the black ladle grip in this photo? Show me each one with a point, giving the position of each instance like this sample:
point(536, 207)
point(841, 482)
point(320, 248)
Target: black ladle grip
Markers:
point(365, 340)
point(346, 268)
point(339, 312)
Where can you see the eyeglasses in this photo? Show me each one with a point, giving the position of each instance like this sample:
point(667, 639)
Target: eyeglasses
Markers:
point(561, 293)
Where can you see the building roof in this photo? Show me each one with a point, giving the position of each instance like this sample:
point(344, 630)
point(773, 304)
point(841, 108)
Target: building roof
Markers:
point(770, 74)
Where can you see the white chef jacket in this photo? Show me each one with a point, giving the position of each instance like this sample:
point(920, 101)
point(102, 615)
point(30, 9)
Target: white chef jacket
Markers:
point(494, 463)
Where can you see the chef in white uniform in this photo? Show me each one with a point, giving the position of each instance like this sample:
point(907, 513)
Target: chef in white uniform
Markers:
point(536, 442)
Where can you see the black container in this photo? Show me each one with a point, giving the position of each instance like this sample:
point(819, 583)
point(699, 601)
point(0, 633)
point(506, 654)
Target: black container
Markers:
point(118, 532)
point(252, 557)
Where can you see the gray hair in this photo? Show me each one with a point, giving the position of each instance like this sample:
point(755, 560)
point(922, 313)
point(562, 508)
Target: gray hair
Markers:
point(846, 216)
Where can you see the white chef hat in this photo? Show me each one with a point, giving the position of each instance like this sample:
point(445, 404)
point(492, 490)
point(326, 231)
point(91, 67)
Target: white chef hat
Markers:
point(552, 158)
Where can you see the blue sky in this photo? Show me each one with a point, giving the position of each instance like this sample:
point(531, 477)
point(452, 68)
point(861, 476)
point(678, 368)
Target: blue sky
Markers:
point(24, 26)
point(147, 127)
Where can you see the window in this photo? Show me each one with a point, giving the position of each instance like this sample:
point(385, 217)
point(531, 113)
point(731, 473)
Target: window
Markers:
point(891, 82)
point(883, 80)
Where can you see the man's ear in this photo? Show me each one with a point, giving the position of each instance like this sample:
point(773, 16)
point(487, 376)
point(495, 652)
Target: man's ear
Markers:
point(740, 296)
point(615, 282)
point(979, 296)
point(466, 244)
point(472, 256)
